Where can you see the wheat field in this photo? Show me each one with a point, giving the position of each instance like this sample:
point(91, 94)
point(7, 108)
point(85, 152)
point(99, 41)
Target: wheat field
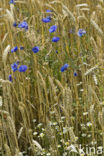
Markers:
point(51, 77)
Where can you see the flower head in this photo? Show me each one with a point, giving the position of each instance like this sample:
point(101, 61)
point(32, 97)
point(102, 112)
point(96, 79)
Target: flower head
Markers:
point(14, 24)
point(48, 11)
point(11, 2)
point(23, 25)
point(47, 19)
point(57, 51)
point(35, 49)
point(55, 39)
point(75, 74)
point(81, 32)
point(22, 68)
point(64, 67)
point(14, 49)
point(14, 67)
point(10, 78)
point(53, 28)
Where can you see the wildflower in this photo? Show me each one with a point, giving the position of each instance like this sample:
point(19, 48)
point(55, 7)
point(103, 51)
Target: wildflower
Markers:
point(63, 117)
point(64, 67)
point(35, 49)
point(84, 135)
point(89, 124)
point(43, 129)
point(21, 48)
point(34, 120)
point(89, 136)
point(64, 154)
point(39, 125)
point(55, 39)
point(52, 112)
point(58, 146)
point(41, 135)
point(85, 113)
point(14, 67)
point(22, 68)
point(48, 154)
point(66, 143)
point(65, 130)
point(75, 74)
point(11, 2)
point(54, 123)
point(48, 11)
point(57, 51)
point(14, 49)
point(53, 28)
point(81, 32)
point(14, 24)
point(10, 78)
point(23, 25)
point(47, 19)
point(35, 133)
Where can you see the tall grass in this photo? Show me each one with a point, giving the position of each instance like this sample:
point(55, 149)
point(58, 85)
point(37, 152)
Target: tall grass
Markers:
point(45, 111)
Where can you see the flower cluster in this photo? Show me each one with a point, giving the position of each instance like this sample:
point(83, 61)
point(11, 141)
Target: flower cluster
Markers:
point(55, 39)
point(81, 32)
point(64, 67)
point(14, 49)
point(47, 19)
point(23, 25)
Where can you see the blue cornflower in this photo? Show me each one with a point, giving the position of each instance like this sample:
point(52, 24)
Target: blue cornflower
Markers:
point(14, 24)
point(48, 11)
point(23, 25)
point(57, 51)
point(64, 67)
point(47, 19)
point(14, 49)
point(35, 49)
point(81, 32)
point(75, 74)
point(55, 39)
point(22, 68)
point(11, 2)
point(21, 48)
point(53, 28)
point(14, 67)
point(10, 78)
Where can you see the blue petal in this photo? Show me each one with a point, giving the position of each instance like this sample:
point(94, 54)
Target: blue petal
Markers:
point(14, 24)
point(81, 32)
point(55, 39)
point(53, 28)
point(46, 20)
point(35, 49)
point(14, 49)
point(14, 67)
point(48, 11)
point(10, 78)
point(11, 2)
point(22, 68)
point(64, 67)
